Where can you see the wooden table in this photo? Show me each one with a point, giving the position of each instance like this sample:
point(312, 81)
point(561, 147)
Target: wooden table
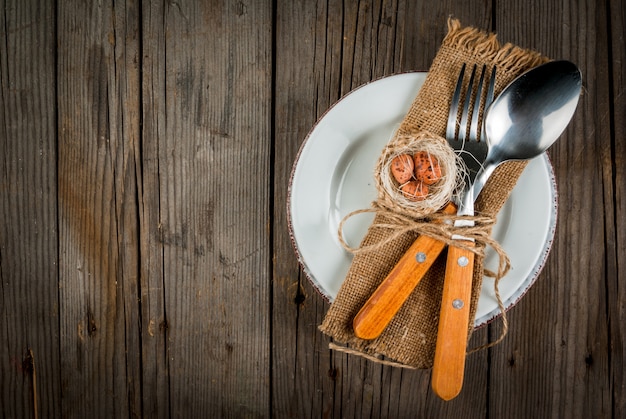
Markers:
point(145, 261)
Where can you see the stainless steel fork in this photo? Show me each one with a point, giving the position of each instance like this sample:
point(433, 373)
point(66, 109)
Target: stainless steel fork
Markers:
point(393, 291)
point(452, 334)
point(468, 146)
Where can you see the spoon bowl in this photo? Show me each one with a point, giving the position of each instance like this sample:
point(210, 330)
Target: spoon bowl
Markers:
point(530, 115)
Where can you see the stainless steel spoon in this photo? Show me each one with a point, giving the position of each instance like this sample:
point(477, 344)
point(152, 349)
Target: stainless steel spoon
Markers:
point(530, 115)
point(526, 119)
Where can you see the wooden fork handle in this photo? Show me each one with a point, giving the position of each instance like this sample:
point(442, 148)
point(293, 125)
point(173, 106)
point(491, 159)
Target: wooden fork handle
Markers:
point(451, 346)
point(385, 302)
point(391, 294)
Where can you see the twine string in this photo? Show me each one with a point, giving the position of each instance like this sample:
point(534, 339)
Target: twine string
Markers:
point(439, 226)
point(339, 348)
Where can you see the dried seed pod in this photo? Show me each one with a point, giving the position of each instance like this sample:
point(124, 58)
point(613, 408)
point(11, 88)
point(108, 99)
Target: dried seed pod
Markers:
point(427, 168)
point(402, 168)
point(415, 190)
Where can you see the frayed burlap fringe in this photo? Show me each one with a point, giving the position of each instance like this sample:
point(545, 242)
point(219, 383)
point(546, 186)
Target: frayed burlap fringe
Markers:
point(410, 338)
point(486, 47)
point(463, 45)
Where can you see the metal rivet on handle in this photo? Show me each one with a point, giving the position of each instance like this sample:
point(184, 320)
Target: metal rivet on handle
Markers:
point(420, 257)
point(463, 261)
point(458, 304)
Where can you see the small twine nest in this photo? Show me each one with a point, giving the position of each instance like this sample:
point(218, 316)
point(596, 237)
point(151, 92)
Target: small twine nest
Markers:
point(390, 195)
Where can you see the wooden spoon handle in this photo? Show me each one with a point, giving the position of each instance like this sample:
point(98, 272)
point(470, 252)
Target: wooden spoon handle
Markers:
point(451, 346)
point(391, 294)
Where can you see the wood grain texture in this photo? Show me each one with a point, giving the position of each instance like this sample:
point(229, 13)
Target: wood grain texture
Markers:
point(98, 121)
point(208, 106)
point(615, 172)
point(29, 312)
point(305, 86)
point(558, 337)
point(146, 268)
point(154, 325)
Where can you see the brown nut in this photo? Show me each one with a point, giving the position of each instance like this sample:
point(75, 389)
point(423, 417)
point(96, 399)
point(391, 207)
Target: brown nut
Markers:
point(402, 168)
point(415, 190)
point(427, 168)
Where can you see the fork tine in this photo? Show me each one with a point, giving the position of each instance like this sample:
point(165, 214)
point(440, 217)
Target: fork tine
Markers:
point(454, 106)
point(492, 83)
point(488, 99)
point(468, 99)
point(473, 134)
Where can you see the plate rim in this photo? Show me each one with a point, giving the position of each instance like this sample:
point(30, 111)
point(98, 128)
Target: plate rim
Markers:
point(485, 319)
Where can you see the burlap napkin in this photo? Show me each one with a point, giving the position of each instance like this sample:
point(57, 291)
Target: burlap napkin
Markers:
point(409, 339)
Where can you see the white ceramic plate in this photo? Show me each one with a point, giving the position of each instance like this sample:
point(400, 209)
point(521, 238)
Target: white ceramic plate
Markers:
point(333, 176)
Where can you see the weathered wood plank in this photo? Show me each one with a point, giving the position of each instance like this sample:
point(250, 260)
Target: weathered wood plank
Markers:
point(126, 117)
point(155, 374)
point(98, 126)
point(555, 361)
point(29, 312)
point(425, 26)
point(302, 375)
point(208, 108)
point(324, 50)
point(616, 245)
